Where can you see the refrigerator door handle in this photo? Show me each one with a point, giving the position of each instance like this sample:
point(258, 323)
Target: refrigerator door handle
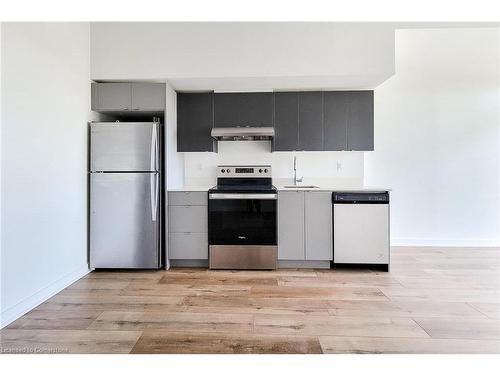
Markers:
point(153, 161)
point(157, 149)
point(153, 182)
point(157, 194)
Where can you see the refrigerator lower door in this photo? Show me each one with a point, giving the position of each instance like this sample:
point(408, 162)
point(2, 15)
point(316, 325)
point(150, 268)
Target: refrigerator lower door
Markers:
point(124, 147)
point(124, 220)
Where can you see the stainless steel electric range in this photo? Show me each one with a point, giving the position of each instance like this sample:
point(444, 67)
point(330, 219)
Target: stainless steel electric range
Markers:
point(242, 212)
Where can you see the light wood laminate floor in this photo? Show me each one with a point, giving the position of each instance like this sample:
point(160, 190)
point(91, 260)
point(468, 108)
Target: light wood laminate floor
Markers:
point(434, 300)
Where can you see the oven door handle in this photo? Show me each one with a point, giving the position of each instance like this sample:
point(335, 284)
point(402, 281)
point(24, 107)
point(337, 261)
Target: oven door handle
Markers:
point(242, 196)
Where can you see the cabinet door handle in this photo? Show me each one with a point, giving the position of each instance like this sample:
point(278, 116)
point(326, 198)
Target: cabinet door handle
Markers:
point(125, 109)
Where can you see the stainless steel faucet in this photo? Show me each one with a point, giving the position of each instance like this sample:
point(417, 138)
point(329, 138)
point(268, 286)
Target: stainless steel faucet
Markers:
point(295, 179)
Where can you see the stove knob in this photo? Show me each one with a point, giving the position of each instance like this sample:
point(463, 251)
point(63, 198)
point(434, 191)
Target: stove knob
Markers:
point(223, 170)
point(228, 170)
point(260, 170)
point(265, 170)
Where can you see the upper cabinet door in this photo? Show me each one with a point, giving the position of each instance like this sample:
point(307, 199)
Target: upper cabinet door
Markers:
point(360, 129)
point(286, 121)
point(115, 96)
point(336, 119)
point(311, 121)
point(148, 96)
point(194, 122)
point(243, 109)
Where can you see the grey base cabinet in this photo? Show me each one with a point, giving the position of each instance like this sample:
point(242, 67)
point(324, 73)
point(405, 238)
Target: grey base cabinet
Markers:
point(318, 225)
point(188, 246)
point(305, 225)
point(187, 225)
point(187, 219)
point(291, 225)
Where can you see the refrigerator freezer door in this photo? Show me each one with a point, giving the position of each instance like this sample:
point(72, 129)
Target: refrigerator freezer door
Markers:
point(124, 220)
point(124, 147)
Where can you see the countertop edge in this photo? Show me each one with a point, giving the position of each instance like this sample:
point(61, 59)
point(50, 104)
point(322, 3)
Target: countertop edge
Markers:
point(367, 189)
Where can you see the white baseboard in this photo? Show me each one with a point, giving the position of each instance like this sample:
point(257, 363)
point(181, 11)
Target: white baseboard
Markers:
point(10, 314)
point(451, 242)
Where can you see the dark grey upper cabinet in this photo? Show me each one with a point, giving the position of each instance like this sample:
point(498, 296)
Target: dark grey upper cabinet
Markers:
point(360, 127)
point(311, 121)
point(126, 96)
point(336, 117)
point(194, 122)
point(114, 96)
point(286, 121)
point(243, 109)
point(148, 96)
point(306, 121)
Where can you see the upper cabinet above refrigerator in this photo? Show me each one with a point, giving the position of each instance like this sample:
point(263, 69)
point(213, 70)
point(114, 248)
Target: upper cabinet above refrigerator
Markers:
point(128, 97)
point(115, 96)
point(148, 96)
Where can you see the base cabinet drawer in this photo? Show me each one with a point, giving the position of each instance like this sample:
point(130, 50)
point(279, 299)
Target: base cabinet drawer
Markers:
point(187, 198)
point(183, 219)
point(188, 246)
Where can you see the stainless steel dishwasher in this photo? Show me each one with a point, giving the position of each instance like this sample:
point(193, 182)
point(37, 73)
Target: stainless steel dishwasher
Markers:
point(361, 224)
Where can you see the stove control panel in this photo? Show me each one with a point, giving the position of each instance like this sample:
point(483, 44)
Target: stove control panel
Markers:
point(239, 171)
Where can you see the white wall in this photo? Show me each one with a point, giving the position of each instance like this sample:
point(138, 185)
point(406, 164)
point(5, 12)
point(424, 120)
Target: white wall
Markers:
point(437, 138)
point(315, 167)
point(45, 106)
point(1, 127)
point(243, 55)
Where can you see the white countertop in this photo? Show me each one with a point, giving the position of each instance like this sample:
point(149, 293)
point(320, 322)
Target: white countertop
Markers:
point(281, 187)
point(192, 188)
point(339, 188)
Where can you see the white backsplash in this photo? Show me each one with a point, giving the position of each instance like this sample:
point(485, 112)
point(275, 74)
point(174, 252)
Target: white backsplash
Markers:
point(316, 167)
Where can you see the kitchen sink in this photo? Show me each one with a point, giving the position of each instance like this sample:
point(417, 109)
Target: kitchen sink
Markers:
point(301, 187)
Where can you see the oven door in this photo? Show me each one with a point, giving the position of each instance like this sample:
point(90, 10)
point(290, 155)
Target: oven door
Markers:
point(242, 219)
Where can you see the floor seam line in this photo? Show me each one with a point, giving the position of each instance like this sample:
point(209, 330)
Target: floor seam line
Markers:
point(428, 334)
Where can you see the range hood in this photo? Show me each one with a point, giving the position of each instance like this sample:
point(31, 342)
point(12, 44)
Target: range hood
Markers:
point(243, 133)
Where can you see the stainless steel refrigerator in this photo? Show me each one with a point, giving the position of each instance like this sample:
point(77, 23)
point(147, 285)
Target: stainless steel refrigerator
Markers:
point(125, 195)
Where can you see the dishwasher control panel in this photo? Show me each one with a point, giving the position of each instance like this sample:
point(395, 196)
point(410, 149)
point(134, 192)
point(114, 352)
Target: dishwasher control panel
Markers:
point(360, 197)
